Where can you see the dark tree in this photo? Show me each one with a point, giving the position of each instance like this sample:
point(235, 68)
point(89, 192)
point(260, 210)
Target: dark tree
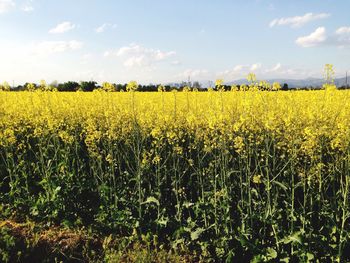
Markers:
point(285, 87)
point(120, 87)
point(88, 85)
point(148, 87)
point(68, 86)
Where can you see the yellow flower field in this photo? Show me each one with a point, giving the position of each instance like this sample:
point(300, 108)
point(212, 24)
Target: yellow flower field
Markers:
point(294, 118)
point(250, 173)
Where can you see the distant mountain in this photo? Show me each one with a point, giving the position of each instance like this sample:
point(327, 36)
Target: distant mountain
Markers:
point(292, 83)
point(296, 83)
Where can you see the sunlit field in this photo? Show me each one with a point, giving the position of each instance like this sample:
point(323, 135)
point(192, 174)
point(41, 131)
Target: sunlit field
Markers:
point(227, 175)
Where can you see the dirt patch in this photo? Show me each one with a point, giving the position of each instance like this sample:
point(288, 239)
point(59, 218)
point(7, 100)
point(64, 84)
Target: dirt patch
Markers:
point(29, 244)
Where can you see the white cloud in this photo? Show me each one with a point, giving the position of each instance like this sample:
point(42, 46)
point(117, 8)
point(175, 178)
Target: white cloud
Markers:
point(6, 5)
point(96, 75)
point(255, 66)
point(62, 28)
point(343, 30)
point(276, 68)
point(268, 72)
point(127, 50)
point(315, 38)
point(298, 21)
point(137, 55)
point(175, 62)
point(238, 68)
point(51, 47)
point(342, 37)
point(87, 56)
point(160, 55)
point(239, 71)
point(136, 61)
point(102, 28)
point(194, 74)
point(27, 8)
point(226, 74)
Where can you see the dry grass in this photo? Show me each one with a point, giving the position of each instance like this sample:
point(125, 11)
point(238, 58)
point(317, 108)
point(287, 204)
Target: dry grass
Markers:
point(36, 243)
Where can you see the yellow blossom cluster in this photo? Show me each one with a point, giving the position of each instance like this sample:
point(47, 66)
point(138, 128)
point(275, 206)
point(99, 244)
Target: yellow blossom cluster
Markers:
point(300, 120)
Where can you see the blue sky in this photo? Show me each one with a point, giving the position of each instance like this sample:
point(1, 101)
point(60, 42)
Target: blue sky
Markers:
point(161, 41)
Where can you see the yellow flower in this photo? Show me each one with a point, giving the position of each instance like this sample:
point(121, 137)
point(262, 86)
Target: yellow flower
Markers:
point(219, 82)
point(251, 77)
point(132, 86)
point(257, 179)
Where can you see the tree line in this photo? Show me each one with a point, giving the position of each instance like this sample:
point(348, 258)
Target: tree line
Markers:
point(89, 86)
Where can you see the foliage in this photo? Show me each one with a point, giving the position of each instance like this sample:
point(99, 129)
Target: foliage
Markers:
point(88, 85)
point(68, 86)
point(5, 86)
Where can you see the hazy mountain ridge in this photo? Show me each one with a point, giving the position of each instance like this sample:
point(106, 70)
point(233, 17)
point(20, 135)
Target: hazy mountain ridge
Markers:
point(292, 83)
point(295, 83)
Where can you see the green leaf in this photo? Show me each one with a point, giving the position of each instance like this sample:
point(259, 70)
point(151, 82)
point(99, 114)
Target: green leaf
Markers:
point(287, 259)
point(230, 257)
point(257, 259)
point(285, 188)
point(151, 199)
point(187, 204)
point(195, 235)
point(163, 221)
point(271, 253)
point(309, 256)
point(295, 238)
point(177, 242)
